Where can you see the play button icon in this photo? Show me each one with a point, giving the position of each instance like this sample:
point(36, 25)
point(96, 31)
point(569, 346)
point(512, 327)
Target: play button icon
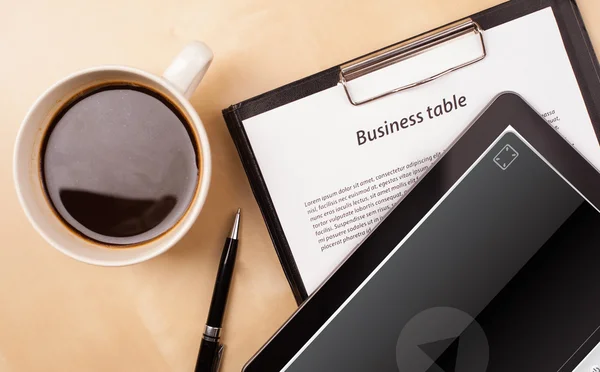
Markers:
point(442, 339)
point(443, 352)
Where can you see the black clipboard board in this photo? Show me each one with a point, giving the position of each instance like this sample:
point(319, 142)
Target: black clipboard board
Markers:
point(574, 36)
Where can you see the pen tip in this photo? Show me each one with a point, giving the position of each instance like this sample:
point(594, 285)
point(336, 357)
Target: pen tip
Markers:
point(239, 210)
point(236, 225)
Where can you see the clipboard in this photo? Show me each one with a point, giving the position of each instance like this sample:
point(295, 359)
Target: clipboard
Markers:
point(574, 36)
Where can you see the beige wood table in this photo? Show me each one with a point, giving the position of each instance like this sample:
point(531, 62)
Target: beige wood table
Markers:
point(57, 314)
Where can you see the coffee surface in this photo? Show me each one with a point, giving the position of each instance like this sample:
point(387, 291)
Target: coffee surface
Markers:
point(119, 165)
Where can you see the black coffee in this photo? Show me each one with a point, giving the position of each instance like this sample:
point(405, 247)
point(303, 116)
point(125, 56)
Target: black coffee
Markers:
point(119, 164)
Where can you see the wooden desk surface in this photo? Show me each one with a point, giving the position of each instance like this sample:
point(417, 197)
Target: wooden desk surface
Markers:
point(57, 314)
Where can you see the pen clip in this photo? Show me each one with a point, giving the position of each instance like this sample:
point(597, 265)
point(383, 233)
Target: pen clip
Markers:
point(219, 357)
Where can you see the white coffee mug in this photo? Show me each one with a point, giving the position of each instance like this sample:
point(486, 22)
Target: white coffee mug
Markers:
point(176, 85)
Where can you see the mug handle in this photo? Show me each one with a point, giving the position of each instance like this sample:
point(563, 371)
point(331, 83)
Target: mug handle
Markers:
point(189, 67)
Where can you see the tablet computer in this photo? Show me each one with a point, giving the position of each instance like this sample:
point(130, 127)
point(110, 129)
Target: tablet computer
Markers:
point(489, 264)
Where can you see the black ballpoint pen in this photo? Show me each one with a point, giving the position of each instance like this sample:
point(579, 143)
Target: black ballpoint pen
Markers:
point(211, 351)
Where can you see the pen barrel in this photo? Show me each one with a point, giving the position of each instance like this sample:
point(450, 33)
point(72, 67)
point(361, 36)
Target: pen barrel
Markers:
point(207, 356)
point(222, 284)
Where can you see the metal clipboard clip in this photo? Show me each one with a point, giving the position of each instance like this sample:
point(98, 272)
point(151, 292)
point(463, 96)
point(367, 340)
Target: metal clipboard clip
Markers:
point(408, 49)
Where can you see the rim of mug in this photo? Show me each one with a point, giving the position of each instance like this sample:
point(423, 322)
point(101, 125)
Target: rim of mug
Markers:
point(182, 226)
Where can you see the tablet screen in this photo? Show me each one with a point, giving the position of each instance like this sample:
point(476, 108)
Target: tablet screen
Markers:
point(501, 275)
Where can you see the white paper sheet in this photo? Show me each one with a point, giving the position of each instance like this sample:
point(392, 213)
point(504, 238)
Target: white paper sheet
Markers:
point(329, 191)
point(591, 363)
